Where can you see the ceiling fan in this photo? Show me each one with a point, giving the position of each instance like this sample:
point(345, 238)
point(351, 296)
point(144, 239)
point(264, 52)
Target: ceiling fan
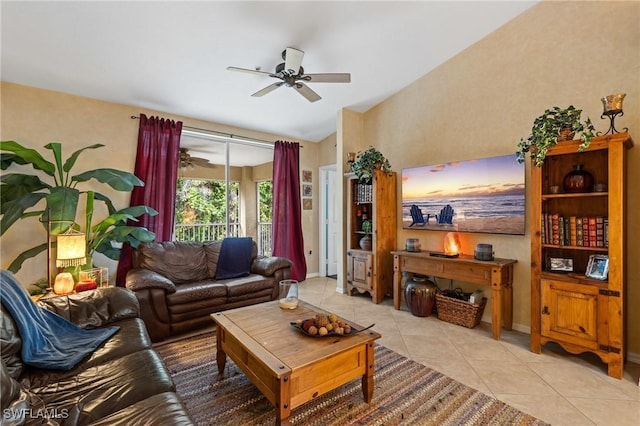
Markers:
point(292, 75)
point(187, 161)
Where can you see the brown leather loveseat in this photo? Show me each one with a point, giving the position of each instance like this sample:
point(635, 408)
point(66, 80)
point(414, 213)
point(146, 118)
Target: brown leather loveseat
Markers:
point(122, 382)
point(176, 284)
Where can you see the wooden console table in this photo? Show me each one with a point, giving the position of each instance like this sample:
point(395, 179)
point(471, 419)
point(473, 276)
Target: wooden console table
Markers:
point(497, 273)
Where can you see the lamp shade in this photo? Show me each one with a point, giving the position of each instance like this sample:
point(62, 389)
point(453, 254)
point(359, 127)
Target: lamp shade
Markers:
point(71, 250)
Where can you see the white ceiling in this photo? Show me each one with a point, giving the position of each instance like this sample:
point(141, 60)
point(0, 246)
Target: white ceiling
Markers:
point(171, 56)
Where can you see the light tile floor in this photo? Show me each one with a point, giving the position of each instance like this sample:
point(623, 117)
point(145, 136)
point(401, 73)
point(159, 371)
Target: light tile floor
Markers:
point(555, 386)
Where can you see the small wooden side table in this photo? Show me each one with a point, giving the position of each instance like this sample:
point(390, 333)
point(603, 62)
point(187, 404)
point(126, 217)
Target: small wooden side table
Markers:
point(497, 273)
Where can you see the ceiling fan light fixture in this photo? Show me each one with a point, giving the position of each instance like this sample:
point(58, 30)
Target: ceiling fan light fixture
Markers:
point(291, 73)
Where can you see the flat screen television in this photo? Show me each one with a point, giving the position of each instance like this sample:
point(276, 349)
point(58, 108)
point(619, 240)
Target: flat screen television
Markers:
point(484, 195)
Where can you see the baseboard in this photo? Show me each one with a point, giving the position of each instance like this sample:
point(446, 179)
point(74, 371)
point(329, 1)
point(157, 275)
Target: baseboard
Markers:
point(631, 356)
point(521, 328)
point(312, 275)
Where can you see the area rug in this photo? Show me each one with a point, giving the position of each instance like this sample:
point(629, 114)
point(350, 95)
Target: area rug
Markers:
point(406, 393)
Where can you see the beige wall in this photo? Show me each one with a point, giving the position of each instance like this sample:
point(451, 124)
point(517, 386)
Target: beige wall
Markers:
point(482, 101)
point(35, 117)
point(328, 150)
point(478, 104)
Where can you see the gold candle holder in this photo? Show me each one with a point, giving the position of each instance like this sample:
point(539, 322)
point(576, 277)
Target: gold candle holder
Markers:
point(612, 105)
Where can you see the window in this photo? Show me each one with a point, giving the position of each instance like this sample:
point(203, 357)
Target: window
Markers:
point(201, 210)
point(265, 209)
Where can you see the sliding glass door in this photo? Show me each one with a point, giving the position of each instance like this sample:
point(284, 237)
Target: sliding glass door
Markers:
point(218, 189)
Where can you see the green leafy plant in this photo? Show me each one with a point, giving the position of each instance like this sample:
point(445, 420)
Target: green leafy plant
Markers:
point(22, 196)
point(547, 127)
point(367, 162)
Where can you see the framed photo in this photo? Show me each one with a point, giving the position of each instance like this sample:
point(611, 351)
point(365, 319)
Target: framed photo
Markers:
point(307, 204)
point(598, 267)
point(306, 176)
point(307, 190)
point(560, 264)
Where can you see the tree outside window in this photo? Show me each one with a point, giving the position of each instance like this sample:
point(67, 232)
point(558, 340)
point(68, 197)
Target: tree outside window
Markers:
point(265, 209)
point(201, 210)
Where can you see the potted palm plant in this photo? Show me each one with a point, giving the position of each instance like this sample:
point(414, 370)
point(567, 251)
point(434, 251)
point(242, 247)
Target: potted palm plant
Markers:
point(22, 196)
point(554, 125)
point(367, 162)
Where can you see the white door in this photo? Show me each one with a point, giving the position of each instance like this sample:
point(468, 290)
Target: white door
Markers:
point(328, 222)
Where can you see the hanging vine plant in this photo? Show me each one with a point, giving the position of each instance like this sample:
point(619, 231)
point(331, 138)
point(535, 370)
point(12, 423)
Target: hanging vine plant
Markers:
point(548, 130)
point(367, 162)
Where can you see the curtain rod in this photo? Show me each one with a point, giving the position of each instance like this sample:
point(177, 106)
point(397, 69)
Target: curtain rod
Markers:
point(198, 132)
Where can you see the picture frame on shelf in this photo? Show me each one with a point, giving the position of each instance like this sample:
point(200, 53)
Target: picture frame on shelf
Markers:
point(99, 275)
point(598, 267)
point(560, 264)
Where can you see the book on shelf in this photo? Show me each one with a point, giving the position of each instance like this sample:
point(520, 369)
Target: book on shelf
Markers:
point(555, 229)
point(575, 231)
point(579, 234)
point(592, 231)
point(573, 241)
point(599, 231)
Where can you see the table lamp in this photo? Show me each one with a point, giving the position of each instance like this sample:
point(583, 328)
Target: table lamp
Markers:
point(71, 251)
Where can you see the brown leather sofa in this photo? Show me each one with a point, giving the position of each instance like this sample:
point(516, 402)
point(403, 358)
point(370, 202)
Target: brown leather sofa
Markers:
point(123, 382)
point(177, 290)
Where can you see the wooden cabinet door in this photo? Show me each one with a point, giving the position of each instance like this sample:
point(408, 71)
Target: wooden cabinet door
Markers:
point(572, 313)
point(359, 270)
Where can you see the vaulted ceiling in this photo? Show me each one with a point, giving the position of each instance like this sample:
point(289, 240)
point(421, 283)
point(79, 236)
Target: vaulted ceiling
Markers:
point(172, 56)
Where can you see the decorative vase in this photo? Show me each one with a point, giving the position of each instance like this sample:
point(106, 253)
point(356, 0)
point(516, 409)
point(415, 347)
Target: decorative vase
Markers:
point(578, 180)
point(366, 242)
point(420, 294)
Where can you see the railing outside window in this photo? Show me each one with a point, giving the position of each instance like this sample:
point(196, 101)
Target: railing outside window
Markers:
point(204, 231)
point(264, 238)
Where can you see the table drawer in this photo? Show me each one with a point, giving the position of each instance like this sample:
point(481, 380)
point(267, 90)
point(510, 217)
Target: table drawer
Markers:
point(467, 272)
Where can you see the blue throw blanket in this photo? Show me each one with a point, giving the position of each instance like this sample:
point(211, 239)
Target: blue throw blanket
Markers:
point(235, 258)
point(48, 340)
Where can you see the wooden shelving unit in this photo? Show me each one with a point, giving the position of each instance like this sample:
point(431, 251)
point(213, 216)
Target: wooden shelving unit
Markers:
point(580, 313)
point(371, 270)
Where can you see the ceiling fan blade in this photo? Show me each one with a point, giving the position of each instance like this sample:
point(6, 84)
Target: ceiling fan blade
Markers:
point(327, 78)
point(250, 71)
point(293, 60)
point(306, 91)
point(202, 162)
point(270, 88)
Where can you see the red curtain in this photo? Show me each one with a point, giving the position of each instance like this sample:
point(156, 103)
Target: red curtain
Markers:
point(287, 218)
point(157, 166)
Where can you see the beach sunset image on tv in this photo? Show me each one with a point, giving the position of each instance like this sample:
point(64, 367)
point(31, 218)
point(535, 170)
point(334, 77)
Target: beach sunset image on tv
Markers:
point(484, 195)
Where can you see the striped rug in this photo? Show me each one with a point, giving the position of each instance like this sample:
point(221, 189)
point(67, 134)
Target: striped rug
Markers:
point(406, 393)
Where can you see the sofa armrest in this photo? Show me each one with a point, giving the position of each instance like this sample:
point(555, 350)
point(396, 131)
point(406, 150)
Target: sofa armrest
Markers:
point(140, 279)
point(268, 266)
point(90, 309)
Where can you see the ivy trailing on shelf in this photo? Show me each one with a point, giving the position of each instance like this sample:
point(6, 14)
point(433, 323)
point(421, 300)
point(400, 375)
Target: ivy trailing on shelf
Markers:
point(367, 162)
point(547, 129)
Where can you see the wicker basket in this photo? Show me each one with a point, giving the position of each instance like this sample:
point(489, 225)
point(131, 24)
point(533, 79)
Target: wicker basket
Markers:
point(458, 311)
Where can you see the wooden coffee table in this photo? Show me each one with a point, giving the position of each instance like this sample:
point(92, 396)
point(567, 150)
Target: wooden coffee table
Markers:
point(287, 366)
